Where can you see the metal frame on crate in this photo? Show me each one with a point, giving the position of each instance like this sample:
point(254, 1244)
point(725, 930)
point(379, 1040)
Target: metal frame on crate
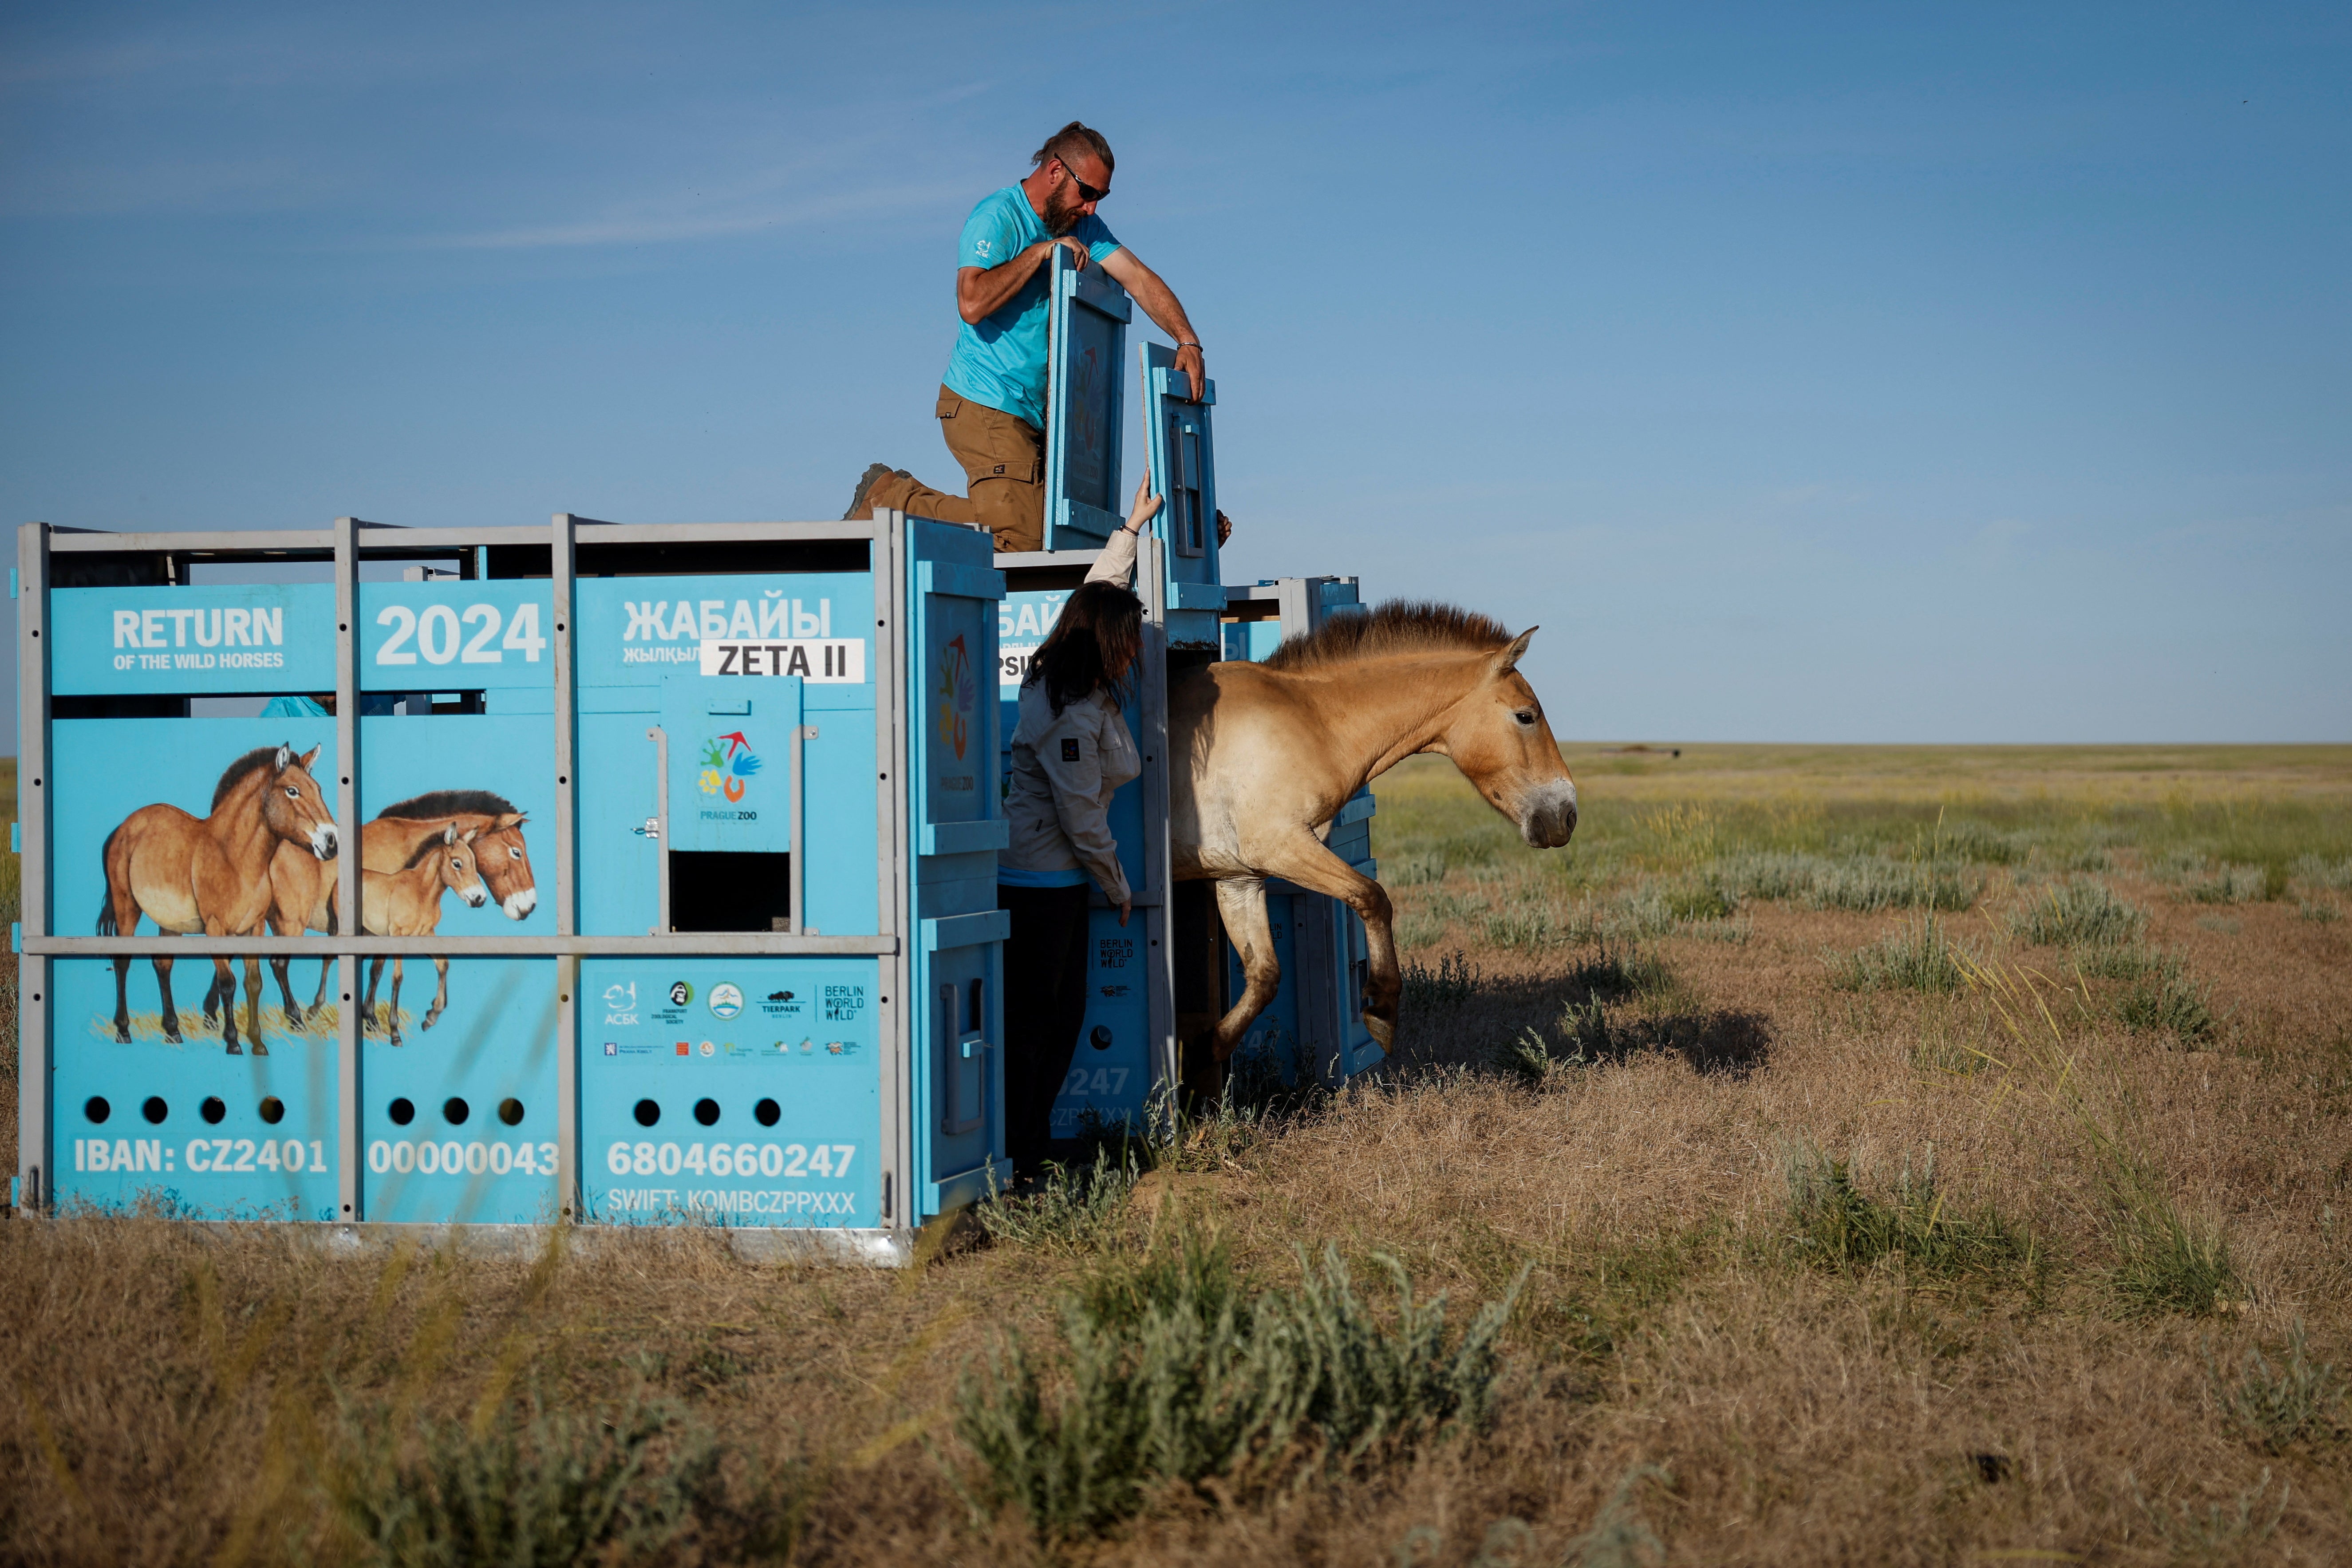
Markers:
point(345, 544)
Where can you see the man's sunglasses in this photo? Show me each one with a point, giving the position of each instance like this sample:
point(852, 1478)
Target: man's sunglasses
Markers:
point(1086, 192)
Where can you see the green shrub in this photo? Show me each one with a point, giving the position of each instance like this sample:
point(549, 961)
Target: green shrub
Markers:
point(1417, 928)
point(1453, 981)
point(1174, 1377)
point(1835, 1224)
point(1612, 972)
point(1918, 957)
point(2321, 872)
point(550, 1487)
point(2319, 910)
point(1585, 1039)
point(2164, 1001)
point(2079, 912)
point(2274, 1406)
point(1976, 841)
point(2230, 885)
point(2166, 1262)
point(1864, 883)
point(1413, 870)
point(1701, 901)
point(1073, 1210)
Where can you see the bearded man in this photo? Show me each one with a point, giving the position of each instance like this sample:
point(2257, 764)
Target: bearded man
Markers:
point(991, 406)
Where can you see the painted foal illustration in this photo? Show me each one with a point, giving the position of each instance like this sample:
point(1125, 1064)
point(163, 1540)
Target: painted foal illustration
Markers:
point(407, 902)
point(302, 892)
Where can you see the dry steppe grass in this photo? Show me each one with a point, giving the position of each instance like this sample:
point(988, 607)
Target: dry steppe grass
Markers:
point(1816, 1258)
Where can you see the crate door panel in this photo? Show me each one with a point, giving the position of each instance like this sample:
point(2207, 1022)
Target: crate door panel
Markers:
point(1084, 404)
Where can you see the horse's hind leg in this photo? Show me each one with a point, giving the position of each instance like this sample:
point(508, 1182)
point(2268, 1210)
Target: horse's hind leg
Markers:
point(1242, 903)
point(395, 1023)
point(163, 984)
point(280, 967)
point(326, 967)
point(440, 995)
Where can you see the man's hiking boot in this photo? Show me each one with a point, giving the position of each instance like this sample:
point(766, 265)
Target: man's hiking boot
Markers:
point(858, 508)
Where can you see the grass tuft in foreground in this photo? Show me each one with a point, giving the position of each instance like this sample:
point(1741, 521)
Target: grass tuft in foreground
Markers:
point(2164, 1001)
point(1917, 957)
point(1174, 1376)
point(2275, 1406)
point(1835, 1224)
point(552, 1486)
point(2081, 911)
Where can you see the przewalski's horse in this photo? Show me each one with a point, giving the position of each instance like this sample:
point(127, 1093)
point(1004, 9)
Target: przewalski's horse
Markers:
point(212, 874)
point(1274, 749)
point(407, 902)
point(303, 891)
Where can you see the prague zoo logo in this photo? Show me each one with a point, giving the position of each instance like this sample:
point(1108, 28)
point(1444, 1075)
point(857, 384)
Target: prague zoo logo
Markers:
point(959, 692)
point(728, 764)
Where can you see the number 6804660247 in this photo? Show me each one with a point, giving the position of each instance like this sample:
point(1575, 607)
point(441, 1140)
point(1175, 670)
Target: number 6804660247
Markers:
point(794, 1162)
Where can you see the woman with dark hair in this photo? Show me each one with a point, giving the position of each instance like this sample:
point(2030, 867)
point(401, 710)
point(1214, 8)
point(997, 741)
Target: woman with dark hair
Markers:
point(1071, 751)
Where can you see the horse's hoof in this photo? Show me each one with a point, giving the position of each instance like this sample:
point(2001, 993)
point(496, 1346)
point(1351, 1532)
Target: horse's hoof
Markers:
point(122, 1035)
point(170, 1035)
point(1383, 1030)
point(235, 1049)
point(259, 1049)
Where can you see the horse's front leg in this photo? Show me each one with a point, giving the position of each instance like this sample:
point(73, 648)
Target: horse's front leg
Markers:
point(394, 1024)
point(367, 1004)
point(440, 995)
point(123, 1000)
point(326, 967)
point(1308, 863)
point(1241, 900)
point(224, 988)
point(253, 1004)
point(163, 984)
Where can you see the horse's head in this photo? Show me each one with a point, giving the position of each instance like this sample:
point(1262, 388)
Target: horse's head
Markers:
point(460, 869)
point(1498, 737)
point(506, 864)
point(294, 807)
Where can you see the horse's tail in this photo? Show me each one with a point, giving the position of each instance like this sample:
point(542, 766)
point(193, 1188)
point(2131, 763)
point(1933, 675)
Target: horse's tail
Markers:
point(106, 926)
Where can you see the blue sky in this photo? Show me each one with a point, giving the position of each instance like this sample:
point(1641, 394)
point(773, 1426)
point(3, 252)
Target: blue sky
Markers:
point(1866, 373)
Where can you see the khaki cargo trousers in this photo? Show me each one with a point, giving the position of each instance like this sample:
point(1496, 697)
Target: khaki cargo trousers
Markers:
point(1003, 459)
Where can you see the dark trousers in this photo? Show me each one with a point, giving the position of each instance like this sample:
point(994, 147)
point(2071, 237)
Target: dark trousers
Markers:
point(1044, 1008)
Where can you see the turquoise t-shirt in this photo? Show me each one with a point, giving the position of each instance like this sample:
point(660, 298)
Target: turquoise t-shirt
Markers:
point(1000, 360)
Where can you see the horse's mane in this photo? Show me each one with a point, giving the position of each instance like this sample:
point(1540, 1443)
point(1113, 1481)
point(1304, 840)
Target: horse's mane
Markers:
point(426, 849)
point(451, 803)
point(243, 768)
point(1400, 625)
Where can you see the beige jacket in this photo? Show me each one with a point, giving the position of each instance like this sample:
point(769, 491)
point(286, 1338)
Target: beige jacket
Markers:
point(1066, 766)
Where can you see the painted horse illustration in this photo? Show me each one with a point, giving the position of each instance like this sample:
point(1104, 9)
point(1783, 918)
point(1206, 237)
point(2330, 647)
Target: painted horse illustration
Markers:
point(211, 875)
point(1275, 749)
point(407, 902)
point(303, 890)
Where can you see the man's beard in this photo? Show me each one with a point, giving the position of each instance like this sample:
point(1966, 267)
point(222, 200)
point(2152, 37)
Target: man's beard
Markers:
point(1061, 214)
